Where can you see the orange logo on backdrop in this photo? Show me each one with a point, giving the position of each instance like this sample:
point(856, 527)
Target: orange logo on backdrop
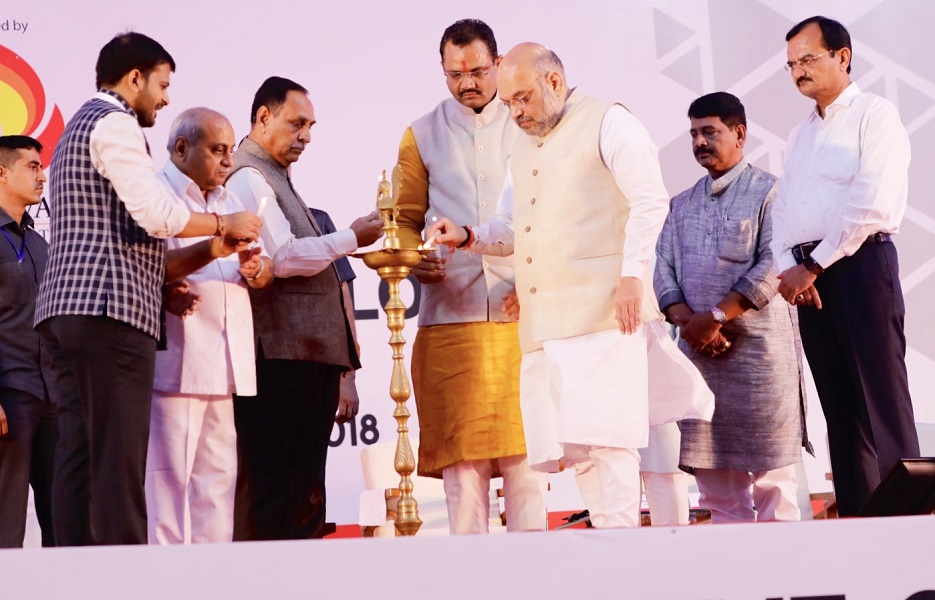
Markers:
point(23, 100)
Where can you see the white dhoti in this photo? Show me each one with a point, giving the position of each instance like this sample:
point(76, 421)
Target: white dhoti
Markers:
point(605, 389)
point(191, 469)
point(602, 391)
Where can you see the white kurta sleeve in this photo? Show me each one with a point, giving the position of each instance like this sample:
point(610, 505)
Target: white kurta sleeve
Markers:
point(292, 256)
point(118, 152)
point(633, 159)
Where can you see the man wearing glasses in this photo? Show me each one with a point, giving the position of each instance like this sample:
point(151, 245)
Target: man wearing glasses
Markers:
point(582, 205)
point(466, 357)
point(842, 195)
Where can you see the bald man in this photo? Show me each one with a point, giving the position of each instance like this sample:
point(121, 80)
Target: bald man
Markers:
point(581, 209)
point(192, 458)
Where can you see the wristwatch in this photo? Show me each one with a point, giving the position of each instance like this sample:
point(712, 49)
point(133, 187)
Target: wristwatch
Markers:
point(813, 267)
point(719, 315)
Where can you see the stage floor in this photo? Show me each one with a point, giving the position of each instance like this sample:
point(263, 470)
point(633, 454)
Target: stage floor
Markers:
point(852, 559)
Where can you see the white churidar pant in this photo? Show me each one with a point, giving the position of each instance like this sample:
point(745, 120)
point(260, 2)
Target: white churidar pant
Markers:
point(467, 493)
point(737, 496)
point(191, 469)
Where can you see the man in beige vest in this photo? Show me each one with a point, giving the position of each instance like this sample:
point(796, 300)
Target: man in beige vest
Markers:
point(581, 208)
point(466, 357)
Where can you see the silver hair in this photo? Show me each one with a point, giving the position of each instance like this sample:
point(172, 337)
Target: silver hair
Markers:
point(190, 125)
point(548, 62)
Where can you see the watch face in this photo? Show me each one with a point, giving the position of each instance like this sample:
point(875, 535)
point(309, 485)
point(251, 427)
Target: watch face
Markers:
point(719, 315)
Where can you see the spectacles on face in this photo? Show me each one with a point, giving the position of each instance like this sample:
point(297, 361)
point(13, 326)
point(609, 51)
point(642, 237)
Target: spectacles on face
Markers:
point(806, 62)
point(475, 74)
point(520, 100)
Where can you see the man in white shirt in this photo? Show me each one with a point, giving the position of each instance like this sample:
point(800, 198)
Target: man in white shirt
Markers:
point(191, 465)
point(842, 195)
point(302, 324)
point(581, 208)
point(110, 215)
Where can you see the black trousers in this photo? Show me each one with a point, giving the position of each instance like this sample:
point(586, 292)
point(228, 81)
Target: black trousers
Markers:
point(282, 447)
point(26, 458)
point(101, 377)
point(856, 348)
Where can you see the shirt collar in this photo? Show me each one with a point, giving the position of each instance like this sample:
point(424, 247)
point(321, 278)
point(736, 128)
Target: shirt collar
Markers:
point(6, 219)
point(185, 187)
point(490, 109)
point(717, 186)
point(115, 99)
point(845, 98)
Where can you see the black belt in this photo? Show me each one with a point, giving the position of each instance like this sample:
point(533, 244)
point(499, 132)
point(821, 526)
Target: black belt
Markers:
point(801, 251)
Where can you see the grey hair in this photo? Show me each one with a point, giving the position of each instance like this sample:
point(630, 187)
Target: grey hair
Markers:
point(190, 125)
point(548, 62)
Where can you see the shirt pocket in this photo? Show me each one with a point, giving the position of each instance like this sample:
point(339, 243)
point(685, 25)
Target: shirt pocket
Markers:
point(838, 164)
point(735, 243)
point(12, 284)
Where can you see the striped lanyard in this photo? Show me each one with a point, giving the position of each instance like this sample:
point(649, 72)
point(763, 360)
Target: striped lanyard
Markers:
point(21, 253)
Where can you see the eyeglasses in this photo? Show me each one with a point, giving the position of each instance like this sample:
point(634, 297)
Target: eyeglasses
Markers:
point(806, 62)
point(475, 74)
point(520, 100)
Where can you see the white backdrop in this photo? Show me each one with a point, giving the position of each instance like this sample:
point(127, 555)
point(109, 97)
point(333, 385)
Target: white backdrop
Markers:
point(372, 67)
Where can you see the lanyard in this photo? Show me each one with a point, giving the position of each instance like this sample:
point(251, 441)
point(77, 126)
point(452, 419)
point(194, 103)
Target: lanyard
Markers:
point(21, 253)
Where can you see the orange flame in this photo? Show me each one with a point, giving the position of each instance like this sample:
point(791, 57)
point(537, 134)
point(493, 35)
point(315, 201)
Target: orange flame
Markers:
point(25, 84)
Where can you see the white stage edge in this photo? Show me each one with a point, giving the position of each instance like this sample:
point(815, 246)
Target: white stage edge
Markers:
point(852, 559)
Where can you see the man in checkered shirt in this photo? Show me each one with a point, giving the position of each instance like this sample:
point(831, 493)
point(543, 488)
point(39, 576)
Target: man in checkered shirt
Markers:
point(98, 311)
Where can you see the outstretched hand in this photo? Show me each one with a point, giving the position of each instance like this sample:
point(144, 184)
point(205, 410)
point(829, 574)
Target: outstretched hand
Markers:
point(444, 231)
point(368, 229)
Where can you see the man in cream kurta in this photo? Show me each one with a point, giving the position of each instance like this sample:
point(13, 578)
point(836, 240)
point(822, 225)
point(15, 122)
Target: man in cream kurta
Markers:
point(191, 466)
point(581, 208)
point(466, 356)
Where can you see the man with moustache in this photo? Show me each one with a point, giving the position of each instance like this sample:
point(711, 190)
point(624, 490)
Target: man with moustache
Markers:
point(110, 215)
point(303, 328)
point(466, 356)
point(581, 208)
point(191, 464)
point(714, 279)
point(28, 428)
point(841, 198)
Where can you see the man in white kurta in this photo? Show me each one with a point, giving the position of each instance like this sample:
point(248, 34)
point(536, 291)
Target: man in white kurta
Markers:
point(581, 209)
point(191, 466)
